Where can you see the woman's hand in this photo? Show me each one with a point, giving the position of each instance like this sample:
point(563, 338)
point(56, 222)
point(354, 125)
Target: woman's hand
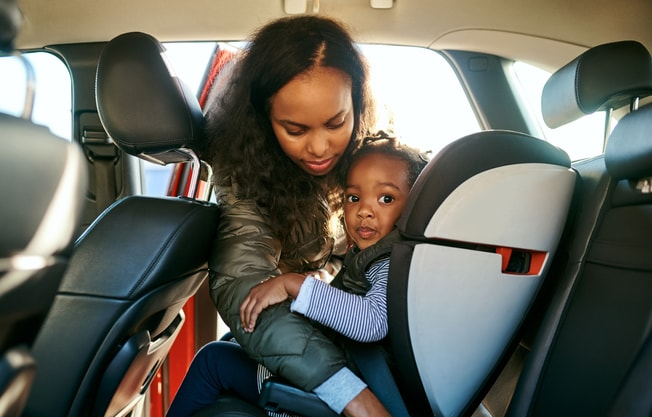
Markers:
point(272, 291)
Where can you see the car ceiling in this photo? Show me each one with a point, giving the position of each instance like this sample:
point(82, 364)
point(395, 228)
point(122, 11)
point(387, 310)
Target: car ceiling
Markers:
point(544, 32)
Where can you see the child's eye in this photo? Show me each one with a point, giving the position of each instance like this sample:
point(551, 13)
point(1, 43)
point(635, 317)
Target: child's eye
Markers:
point(386, 199)
point(352, 198)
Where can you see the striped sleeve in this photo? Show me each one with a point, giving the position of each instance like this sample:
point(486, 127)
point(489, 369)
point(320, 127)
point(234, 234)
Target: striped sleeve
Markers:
point(361, 318)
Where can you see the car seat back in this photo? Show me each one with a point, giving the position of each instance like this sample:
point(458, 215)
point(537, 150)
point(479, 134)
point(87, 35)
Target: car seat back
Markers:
point(479, 231)
point(119, 307)
point(42, 185)
point(591, 348)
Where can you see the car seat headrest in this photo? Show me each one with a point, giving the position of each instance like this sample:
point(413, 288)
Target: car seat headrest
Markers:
point(628, 154)
point(144, 107)
point(10, 20)
point(480, 151)
point(605, 76)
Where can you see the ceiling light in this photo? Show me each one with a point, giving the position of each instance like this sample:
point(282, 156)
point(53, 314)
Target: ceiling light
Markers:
point(381, 4)
point(295, 6)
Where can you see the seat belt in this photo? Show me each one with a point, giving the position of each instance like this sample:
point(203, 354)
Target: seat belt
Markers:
point(105, 193)
point(102, 153)
point(372, 364)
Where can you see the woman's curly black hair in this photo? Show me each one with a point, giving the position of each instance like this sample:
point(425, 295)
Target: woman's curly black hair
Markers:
point(242, 144)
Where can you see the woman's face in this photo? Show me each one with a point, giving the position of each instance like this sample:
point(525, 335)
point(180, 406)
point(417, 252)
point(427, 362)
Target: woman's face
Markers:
point(312, 118)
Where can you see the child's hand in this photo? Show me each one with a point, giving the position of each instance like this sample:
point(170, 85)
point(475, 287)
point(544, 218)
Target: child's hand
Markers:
point(272, 291)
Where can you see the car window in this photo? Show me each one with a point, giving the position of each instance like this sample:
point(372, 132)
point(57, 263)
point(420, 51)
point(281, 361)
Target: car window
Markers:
point(409, 84)
point(418, 94)
point(582, 138)
point(53, 91)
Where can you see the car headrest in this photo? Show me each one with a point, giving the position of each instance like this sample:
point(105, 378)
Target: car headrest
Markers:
point(143, 106)
point(10, 20)
point(49, 175)
point(628, 154)
point(605, 76)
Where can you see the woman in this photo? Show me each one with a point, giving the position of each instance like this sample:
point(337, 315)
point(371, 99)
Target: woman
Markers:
point(282, 131)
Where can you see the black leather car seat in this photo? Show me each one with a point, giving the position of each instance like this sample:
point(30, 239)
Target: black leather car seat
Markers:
point(47, 173)
point(589, 356)
point(119, 307)
point(43, 183)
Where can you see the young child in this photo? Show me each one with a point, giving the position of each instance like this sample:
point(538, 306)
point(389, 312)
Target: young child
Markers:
point(378, 182)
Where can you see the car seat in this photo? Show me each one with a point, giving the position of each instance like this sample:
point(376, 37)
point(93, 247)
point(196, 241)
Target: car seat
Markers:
point(42, 183)
point(119, 307)
point(45, 173)
point(479, 232)
point(591, 356)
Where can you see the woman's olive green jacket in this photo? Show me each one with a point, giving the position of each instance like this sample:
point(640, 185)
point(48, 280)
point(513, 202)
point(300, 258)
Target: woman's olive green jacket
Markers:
point(245, 253)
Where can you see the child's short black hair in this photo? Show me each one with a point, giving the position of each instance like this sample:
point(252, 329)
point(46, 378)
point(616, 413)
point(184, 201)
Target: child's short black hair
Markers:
point(386, 144)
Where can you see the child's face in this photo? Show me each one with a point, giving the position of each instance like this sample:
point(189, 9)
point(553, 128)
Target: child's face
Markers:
point(376, 191)
point(312, 118)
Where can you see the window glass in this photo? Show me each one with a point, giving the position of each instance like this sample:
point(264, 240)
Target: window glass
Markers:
point(189, 60)
point(582, 138)
point(419, 94)
point(53, 92)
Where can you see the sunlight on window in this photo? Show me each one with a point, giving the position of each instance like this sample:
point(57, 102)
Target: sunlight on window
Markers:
point(189, 60)
point(13, 85)
point(52, 102)
point(420, 95)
